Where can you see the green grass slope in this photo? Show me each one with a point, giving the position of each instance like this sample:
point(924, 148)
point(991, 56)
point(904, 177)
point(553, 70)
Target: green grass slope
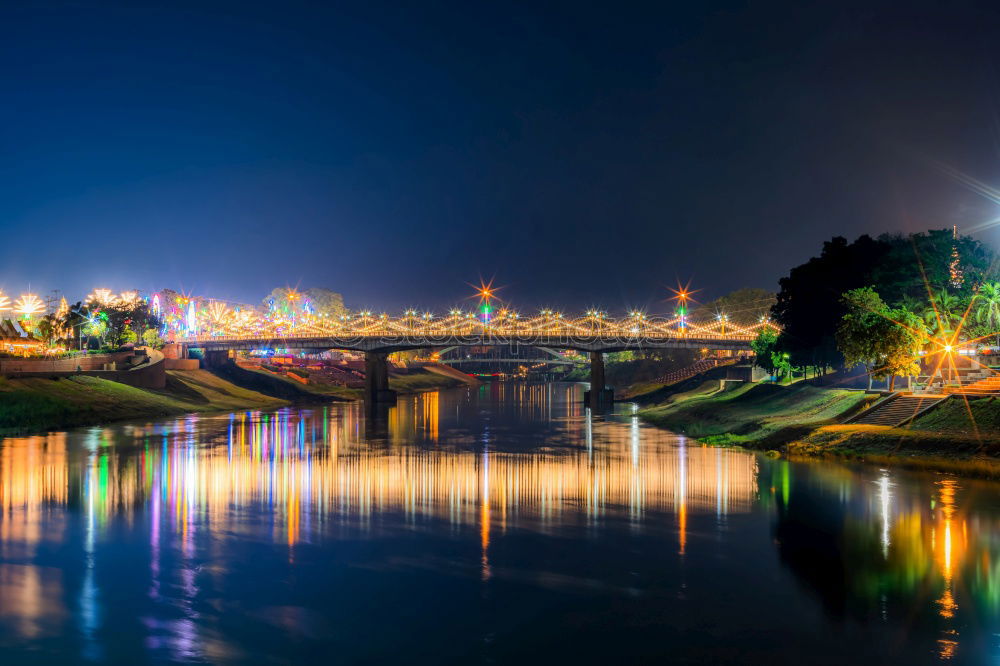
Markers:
point(421, 380)
point(36, 404)
point(748, 413)
point(315, 389)
point(288, 389)
point(961, 436)
point(956, 415)
point(651, 393)
point(957, 435)
point(962, 453)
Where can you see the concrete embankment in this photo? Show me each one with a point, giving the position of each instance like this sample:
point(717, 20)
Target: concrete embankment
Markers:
point(142, 367)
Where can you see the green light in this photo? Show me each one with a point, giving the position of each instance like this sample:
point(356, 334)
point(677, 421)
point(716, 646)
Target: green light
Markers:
point(786, 483)
point(102, 479)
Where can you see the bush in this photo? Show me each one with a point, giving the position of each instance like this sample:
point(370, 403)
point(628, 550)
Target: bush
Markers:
point(152, 338)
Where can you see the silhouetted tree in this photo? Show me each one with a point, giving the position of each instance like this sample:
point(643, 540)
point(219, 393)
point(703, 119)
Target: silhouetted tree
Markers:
point(904, 270)
point(918, 263)
point(809, 307)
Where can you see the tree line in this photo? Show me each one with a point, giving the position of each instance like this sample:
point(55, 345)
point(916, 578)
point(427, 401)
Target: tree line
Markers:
point(878, 301)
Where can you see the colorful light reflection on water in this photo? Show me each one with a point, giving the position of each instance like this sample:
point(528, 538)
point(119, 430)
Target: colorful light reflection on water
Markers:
point(481, 525)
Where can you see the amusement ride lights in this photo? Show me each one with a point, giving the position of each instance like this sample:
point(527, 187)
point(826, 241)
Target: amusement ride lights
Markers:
point(186, 317)
point(28, 305)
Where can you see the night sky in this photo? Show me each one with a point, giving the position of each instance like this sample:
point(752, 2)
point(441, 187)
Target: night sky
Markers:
point(582, 155)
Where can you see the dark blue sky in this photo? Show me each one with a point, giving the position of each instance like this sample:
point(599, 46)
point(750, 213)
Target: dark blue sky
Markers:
point(582, 154)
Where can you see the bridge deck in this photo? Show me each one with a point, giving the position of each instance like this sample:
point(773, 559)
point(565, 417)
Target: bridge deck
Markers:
point(390, 342)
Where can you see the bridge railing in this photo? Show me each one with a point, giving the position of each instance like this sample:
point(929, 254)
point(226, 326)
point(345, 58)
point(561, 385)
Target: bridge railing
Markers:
point(493, 338)
point(547, 328)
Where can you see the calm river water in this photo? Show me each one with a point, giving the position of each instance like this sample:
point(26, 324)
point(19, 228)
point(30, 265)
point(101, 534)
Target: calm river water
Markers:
point(495, 525)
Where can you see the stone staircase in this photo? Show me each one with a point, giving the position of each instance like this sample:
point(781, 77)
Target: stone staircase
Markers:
point(695, 368)
point(896, 410)
point(984, 387)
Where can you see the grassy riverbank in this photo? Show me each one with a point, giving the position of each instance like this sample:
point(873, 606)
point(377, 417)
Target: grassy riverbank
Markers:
point(759, 415)
point(36, 404)
point(280, 386)
point(418, 381)
point(415, 381)
point(961, 436)
point(805, 420)
point(946, 451)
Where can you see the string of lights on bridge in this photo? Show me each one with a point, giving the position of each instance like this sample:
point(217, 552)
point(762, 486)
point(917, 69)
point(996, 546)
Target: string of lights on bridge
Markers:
point(185, 317)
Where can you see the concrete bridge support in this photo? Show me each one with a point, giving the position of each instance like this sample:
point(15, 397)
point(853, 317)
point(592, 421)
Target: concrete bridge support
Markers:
point(215, 358)
point(599, 395)
point(377, 379)
point(174, 350)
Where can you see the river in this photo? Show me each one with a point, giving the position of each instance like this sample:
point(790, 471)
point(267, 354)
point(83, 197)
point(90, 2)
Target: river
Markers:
point(500, 524)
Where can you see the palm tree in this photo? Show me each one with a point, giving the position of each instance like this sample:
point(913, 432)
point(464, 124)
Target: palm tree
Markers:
point(944, 314)
point(73, 320)
point(988, 307)
point(911, 304)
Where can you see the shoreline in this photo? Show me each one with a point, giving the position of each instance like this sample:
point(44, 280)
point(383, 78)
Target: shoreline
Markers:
point(804, 421)
point(33, 406)
point(798, 422)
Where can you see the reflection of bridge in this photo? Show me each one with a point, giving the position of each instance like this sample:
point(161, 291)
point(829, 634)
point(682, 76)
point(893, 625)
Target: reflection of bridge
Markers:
point(472, 359)
point(378, 336)
point(535, 357)
point(313, 467)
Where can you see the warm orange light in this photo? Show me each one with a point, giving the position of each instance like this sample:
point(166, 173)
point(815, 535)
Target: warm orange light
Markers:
point(100, 297)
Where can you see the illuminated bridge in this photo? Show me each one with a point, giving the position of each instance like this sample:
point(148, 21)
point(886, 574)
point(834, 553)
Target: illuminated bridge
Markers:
point(379, 335)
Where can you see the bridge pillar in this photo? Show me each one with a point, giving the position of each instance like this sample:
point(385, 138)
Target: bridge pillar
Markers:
point(377, 379)
point(174, 350)
point(599, 395)
point(215, 358)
